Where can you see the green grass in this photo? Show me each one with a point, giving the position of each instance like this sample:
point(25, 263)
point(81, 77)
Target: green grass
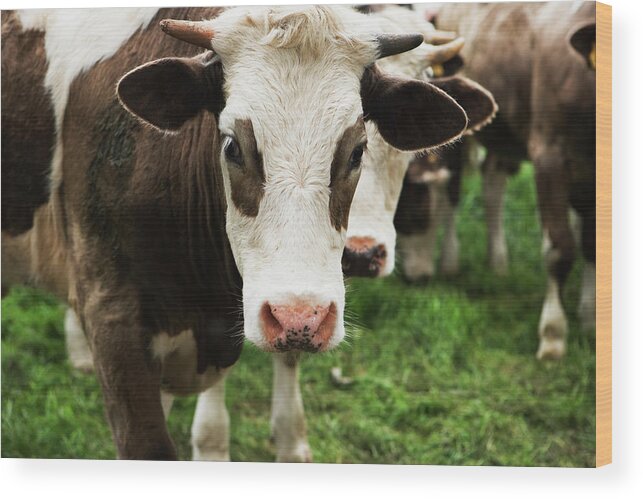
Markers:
point(443, 374)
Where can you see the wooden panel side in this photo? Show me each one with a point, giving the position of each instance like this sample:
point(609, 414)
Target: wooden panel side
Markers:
point(603, 234)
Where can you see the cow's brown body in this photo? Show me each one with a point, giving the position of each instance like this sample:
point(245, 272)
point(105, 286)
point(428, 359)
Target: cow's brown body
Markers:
point(28, 131)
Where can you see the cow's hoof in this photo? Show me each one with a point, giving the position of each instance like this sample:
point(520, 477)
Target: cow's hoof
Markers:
point(551, 349)
point(299, 454)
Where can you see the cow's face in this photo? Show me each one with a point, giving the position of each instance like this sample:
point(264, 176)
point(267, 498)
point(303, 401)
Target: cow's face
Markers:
point(292, 90)
point(370, 244)
point(370, 247)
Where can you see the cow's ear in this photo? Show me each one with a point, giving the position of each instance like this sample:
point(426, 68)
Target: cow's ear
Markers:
point(476, 100)
point(410, 114)
point(167, 92)
point(583, 40)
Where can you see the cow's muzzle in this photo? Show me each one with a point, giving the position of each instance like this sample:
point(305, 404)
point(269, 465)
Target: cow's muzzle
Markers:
point(363, 257)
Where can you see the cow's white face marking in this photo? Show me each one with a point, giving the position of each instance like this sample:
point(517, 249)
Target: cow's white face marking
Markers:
point(300, 93)
point(377, 194)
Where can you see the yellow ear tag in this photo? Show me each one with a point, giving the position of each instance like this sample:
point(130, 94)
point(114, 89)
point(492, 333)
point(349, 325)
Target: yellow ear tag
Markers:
point(592, 57)
point(438, 70)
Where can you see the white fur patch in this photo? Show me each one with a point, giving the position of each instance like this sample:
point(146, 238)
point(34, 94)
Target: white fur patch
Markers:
point(211, 425)
point(288, 421)
point(78, 349)
point(418, 261)
point(167, 399)
point(494, 184)
point(163, 344)
point(552, 328)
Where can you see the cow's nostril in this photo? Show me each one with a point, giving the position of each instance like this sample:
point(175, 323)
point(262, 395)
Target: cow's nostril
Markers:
point(271, 326)
point(380, 252)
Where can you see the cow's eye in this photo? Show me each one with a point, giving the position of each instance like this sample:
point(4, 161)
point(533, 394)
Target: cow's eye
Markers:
point(356, 157)
point(232, 151)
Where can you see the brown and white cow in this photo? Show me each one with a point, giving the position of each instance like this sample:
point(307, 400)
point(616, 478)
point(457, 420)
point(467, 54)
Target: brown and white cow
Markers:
point(219, 211)
point(538, 60)
point(429, 200)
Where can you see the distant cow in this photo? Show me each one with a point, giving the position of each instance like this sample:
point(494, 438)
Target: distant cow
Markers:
point(538, 60)
point(429, 200)
point(217, 207)
point(370, 248)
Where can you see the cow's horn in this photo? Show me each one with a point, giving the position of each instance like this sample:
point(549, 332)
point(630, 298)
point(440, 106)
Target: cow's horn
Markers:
point(390, 44)
point(196, 33)
point(439, 37)
point(442, 53)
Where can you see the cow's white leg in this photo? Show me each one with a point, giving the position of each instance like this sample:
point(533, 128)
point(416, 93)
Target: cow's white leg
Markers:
point(288, 420)
point(167, 399)
point(450, 259)
point(576, 226)
point(552, 328)
point(211, 425)
point(494, 182)
point(553, 325)
point(587, 303)
point(78, 350)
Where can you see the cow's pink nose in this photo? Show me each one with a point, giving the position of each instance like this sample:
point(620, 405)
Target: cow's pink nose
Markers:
point(298, 326)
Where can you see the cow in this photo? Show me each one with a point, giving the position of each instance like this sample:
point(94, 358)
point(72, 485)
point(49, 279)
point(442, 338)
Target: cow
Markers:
point(429, 199)
point(370, 224)
point(370, 248)
point(200, 185)
point(547, 115)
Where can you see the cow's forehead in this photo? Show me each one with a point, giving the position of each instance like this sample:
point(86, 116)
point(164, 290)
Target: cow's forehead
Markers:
point(312, 30)
point(295, 74)
point(289, 103)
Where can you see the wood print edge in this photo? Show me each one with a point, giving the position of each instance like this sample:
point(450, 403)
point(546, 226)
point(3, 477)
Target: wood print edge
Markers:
point(603, 234)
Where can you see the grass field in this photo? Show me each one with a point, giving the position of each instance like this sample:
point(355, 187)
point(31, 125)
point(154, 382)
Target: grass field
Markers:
point(443, 374)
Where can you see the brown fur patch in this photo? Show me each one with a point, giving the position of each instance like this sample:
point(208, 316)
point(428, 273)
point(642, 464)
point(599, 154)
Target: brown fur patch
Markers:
point(247, 180)
point(413, 213)
point(169, 91)
point(476, 101)
point(343, 181)
point(28, 128)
